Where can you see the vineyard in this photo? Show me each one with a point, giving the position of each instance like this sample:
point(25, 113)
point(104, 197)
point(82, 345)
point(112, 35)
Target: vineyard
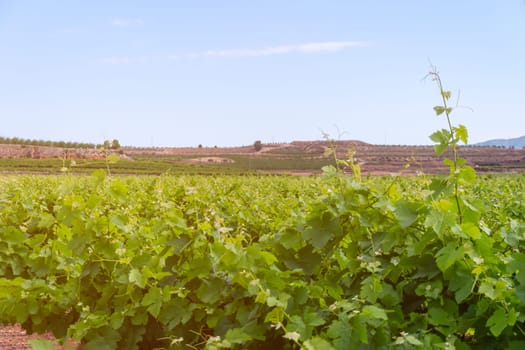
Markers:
point(265, 262)
point(336, 261)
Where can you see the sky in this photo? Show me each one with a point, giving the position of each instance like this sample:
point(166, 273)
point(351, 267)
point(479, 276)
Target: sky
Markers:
point(226, 73)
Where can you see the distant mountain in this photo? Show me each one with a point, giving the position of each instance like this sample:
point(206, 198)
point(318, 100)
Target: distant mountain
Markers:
point(517, 143)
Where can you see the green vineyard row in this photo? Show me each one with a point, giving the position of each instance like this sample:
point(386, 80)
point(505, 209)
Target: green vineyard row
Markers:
point(265, 262)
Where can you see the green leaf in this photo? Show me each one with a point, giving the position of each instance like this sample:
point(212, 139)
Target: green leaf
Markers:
point(406, 213)
point(306, 259)
point(487, 288)
point(280, 300)
point(290, 239)
point(516, 345)
point(467, 174)
point(430, 289)
point(116, 320)
point(439, 110)
point(442, 139)
point(140, 318)
point(46, 220)
point(118, 188)
point(268, 257)
point(318, 237)
point(153, 299)
point(136, 278)
point(359, 329)
point(512, 317)
point(471, 230)
point(329, 171)
point(441, 217)
point(446, 94)
point(462, 133)
point(373, 311)
point(13, 235)
point(517, 265)
point(41, 344)
point(413, 340)
point(371, 287)
point(497, 322)
point(438, 316)
point(275, 316)
point(237, 336)
point(317, 343)
point(389, 296)
point(99, 175)
point(105, 341)
point(461, 283)
point(341, 333)
point(439, 149)
point(448, 255)
point(441, 136)
point(323, 226)
point(313, 319)
point(296, 324)
point(210, 291)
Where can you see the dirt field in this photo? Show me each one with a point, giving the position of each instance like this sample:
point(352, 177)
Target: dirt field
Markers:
point(15, 338)
point(373, 159)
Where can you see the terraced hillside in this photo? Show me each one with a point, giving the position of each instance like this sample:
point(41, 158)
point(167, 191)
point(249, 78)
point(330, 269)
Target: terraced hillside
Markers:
point(297, 157)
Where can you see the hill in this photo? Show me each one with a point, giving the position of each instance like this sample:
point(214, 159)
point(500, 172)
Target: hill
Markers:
point(517, 143)
point(297, 157)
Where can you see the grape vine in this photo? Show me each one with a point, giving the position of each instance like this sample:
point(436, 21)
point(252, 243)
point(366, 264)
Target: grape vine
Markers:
point(332, 262)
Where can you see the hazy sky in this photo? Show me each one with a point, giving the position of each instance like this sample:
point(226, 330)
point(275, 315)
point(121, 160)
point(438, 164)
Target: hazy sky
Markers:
point(220, 72)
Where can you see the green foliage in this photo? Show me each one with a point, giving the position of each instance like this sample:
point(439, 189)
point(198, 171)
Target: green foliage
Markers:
point(20, 141)
point(336, 262)
point(449, 139)
point(107, 145)
point(257, 262)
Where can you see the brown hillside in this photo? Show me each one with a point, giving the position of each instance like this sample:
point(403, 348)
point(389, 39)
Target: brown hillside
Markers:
point(43, 152)
point(373, 159)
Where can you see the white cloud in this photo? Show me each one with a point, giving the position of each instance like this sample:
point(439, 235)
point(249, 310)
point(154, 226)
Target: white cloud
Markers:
point(126, 22)
point(309, 48)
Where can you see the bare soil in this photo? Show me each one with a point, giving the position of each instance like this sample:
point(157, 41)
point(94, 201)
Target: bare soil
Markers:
point(13, 337)
point(44, 152)
point(373, 159)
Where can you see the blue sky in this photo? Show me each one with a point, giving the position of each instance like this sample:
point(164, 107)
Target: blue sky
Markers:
point(183, 73)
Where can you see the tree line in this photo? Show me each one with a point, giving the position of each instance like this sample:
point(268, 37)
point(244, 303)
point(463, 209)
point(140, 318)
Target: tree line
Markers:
point(114, 144)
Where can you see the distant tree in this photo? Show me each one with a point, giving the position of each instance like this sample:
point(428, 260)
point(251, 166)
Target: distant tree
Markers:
point(115, 144)
point(200, 145)
point(257, 145)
